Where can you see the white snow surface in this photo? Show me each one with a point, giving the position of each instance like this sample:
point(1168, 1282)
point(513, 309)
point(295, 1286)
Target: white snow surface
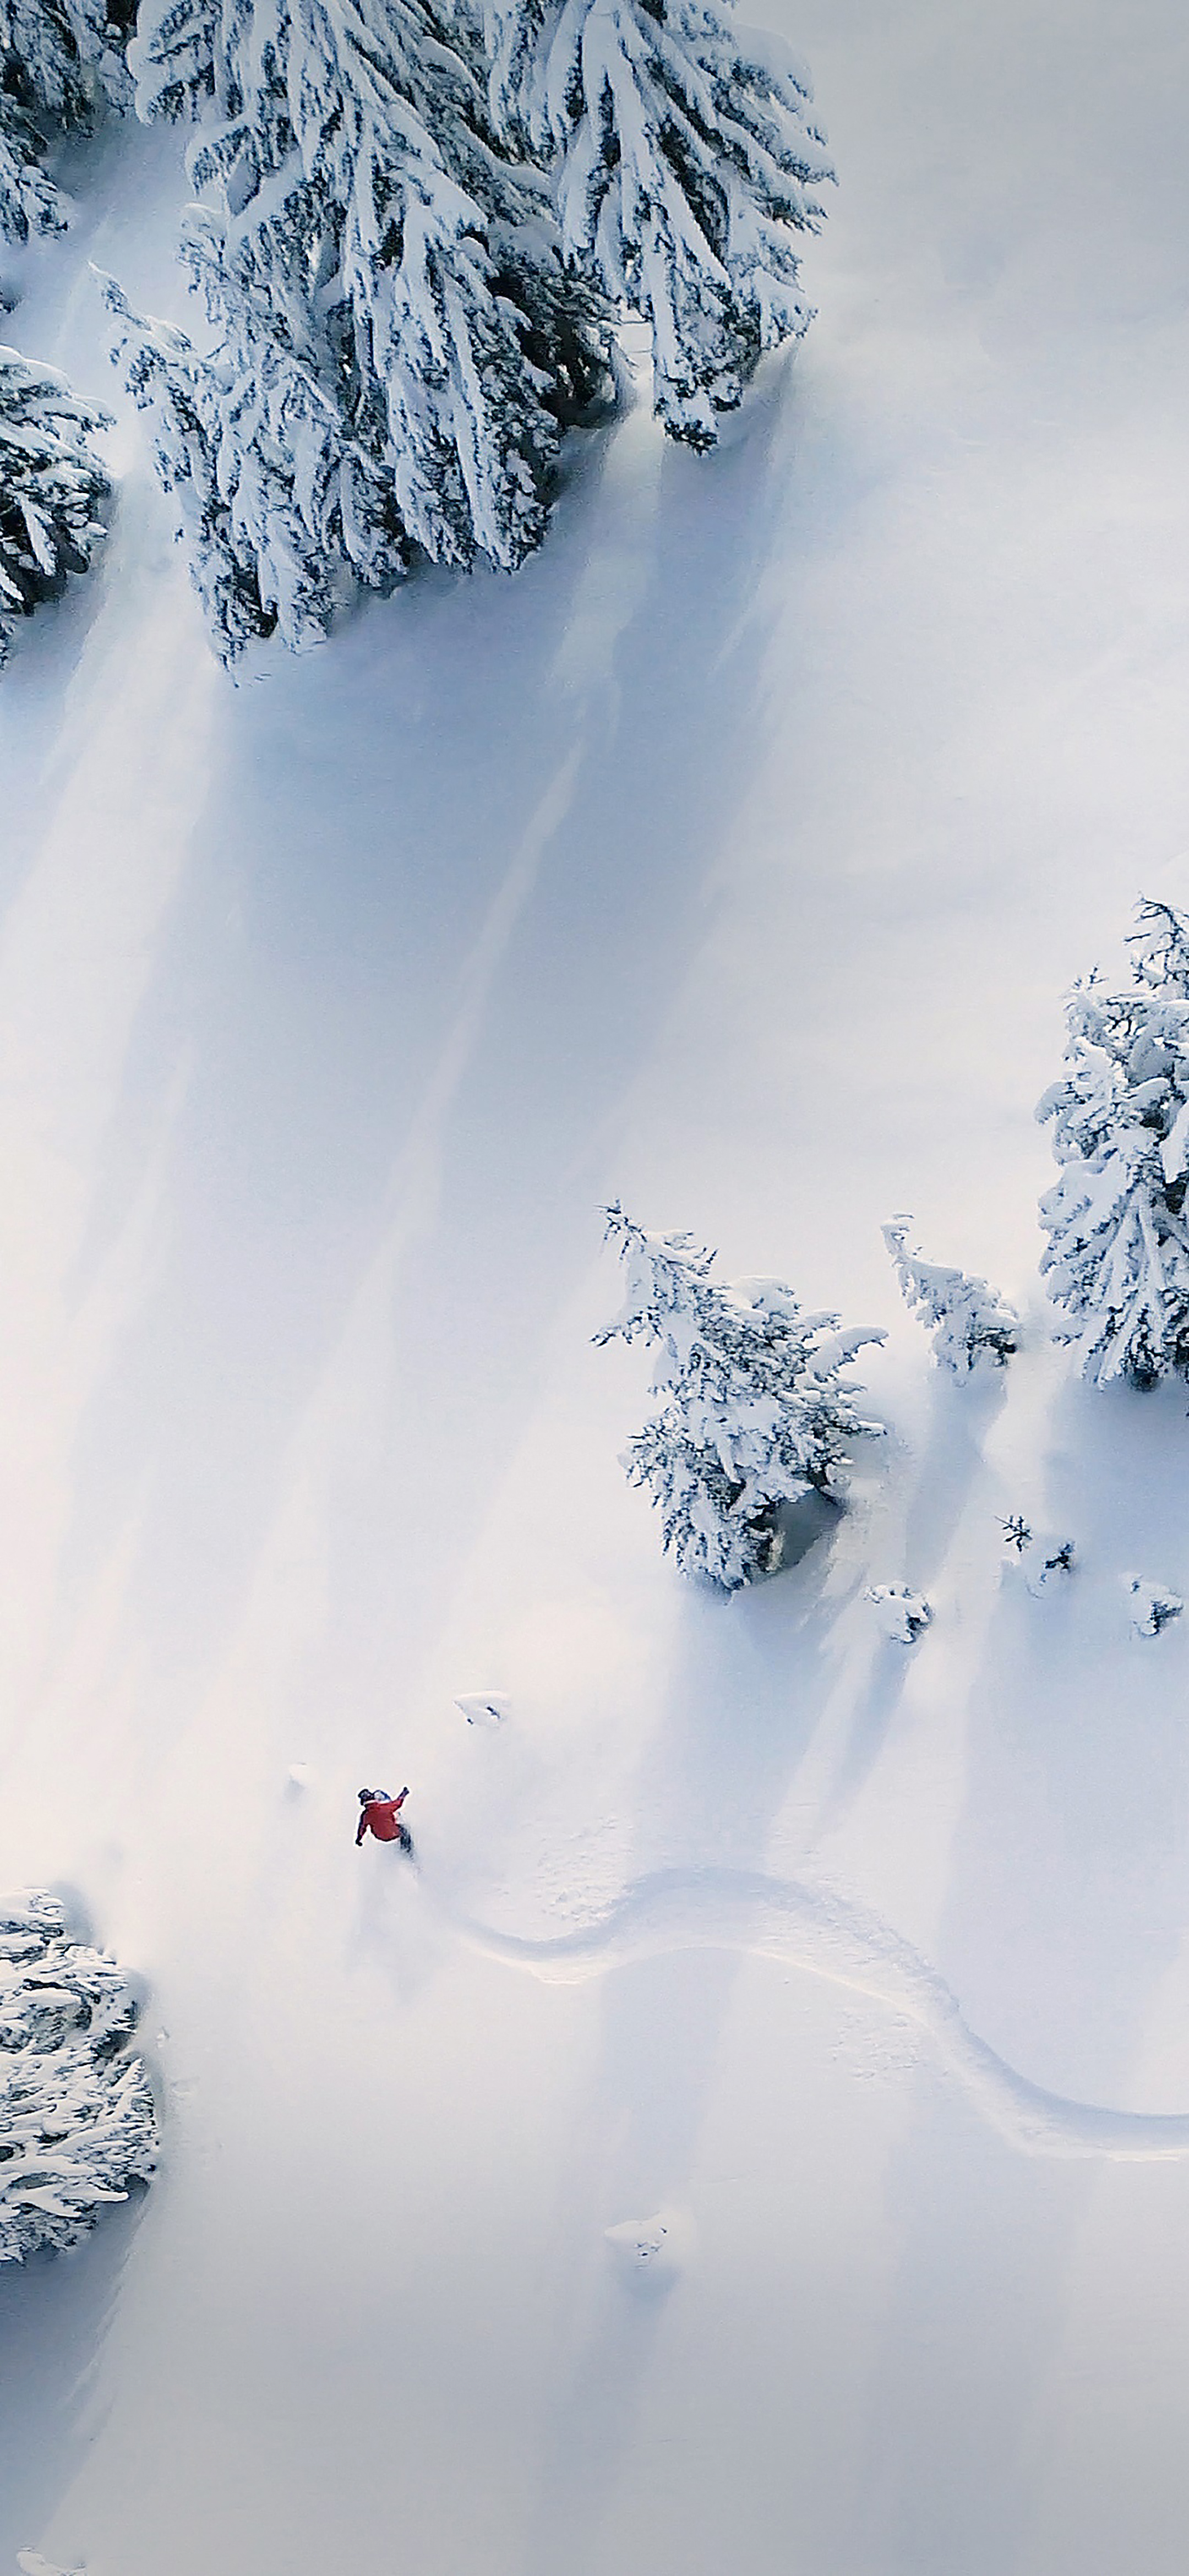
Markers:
point(733, 859)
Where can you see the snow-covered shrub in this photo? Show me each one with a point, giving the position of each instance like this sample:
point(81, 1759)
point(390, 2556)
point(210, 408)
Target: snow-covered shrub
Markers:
point(903, 1614)
point(1117, 1259)
point(754, 1408)
point(973, 1322)
point(1043, 1554)
point(1153, 1606)
point(52, 487)
point(60, 62)
point(77, 2121)
point(686, 167)
point(398, 339)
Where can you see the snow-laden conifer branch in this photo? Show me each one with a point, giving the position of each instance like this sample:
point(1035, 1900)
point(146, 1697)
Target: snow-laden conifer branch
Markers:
point(61, 62)
point(52, 487)
point(972, 1321)
point(77, 2120)
point(754, 1409)
point(1117, 1259)
point(686, 166)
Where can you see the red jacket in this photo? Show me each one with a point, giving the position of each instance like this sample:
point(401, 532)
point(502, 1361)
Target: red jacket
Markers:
point(381, 1817)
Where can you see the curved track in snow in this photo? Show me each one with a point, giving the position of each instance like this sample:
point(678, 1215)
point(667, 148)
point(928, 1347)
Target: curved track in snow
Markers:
point(828, 1936)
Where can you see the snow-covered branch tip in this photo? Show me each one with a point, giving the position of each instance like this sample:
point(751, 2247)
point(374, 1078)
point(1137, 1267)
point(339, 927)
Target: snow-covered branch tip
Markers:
point(1117, 1257)
point(61, 65)
point(52, 487)
point(753, 1412)
point(973, 1323)
point(77, 2120)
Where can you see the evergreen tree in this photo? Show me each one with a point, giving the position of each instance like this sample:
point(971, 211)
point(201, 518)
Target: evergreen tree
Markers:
point(271, 497)
point(973, 1322)
point(52, 487)
point(1117, 1259)
point(77, 2122)
point(686, 166)
point(394, 322)
point(754, 1409)
point(60, 62)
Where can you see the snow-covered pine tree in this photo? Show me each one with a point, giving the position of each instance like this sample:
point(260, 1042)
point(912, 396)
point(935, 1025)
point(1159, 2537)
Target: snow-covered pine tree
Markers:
point(61, 61)
point(972, 1321)
point(686, 167)
point(754, 1408)
point(52, 487)
point(1117, 1259)
point(77, 2119)
point(398, 340)
point(271, 496)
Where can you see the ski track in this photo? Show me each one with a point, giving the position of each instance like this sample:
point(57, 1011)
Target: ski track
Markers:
point(826, 1935)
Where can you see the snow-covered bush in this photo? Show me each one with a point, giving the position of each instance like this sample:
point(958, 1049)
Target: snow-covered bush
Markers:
point(60, 62)
point(973, 1322)
point(1117, 1259)
point(398, 339)
point(1153, 1606)
point(686, 167)
point(52, 487)
point(754, 1408)
point(902, 1614)
point(1043, 1555)
point(77, 2121)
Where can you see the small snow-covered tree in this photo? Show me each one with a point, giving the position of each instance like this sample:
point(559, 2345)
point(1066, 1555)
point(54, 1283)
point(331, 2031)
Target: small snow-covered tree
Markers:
point(398, 340)
point(754, 1411)
point(973, 1322)
point(52, 487)
point(60, 62)
point(77, 2119)
point(1117, 1259)
point(686, 167)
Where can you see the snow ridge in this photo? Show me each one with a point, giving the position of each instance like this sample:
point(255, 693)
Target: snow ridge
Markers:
point(827, 1935)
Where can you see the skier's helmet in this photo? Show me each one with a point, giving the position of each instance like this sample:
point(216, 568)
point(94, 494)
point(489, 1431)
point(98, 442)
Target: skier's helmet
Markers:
point(366, 1796)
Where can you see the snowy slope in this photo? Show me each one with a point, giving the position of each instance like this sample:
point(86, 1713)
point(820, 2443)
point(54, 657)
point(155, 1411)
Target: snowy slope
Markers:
point(733, 857)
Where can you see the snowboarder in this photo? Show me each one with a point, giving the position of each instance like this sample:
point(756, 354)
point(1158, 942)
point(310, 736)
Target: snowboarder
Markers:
point(379, 1814)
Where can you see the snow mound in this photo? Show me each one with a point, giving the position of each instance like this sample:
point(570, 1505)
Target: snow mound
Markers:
point(902, 1614)
point(77, 2118)
point(649, 2253)
point(1153, 1606)
point(484, 1708)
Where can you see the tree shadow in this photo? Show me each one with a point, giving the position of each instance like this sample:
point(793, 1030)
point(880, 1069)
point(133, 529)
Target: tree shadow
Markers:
point(55, 2311)
point(708, 1789)
point(947, 1473)
point(1068, 1852)
point(353, 1049)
